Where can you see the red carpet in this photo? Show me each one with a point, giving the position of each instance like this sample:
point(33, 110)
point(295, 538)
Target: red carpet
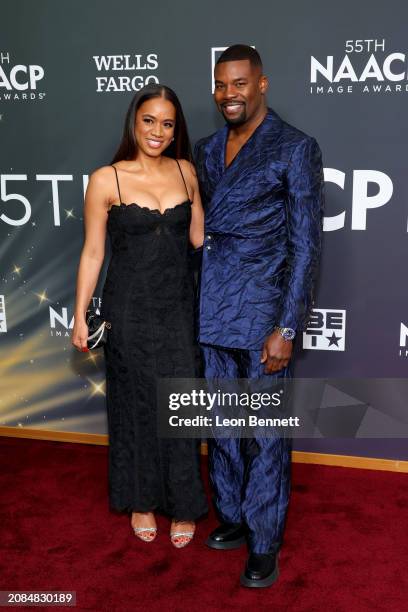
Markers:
point(346, 543)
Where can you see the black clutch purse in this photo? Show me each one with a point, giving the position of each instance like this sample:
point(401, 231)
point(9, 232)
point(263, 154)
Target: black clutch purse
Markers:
point(97, 330)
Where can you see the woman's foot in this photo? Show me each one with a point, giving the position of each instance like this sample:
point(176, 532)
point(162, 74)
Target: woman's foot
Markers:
point(144, 525)
point(181, 533)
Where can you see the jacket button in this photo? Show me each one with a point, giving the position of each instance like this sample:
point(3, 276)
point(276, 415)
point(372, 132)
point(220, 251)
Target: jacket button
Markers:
point(209, 237)
point(208, 247)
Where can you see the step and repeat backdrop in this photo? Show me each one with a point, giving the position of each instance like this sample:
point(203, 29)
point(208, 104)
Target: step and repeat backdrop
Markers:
point(68, 70)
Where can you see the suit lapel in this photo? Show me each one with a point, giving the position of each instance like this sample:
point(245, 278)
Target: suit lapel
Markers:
point(247, 157)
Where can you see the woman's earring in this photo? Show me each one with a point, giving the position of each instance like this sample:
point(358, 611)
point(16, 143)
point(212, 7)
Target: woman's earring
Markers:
point(172, 139)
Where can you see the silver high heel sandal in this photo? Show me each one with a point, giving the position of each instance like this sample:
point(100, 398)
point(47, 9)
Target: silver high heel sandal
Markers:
point(139, 533)
point(181, 534)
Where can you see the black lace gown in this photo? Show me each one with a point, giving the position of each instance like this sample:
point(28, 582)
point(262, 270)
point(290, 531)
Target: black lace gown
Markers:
point(148, 298)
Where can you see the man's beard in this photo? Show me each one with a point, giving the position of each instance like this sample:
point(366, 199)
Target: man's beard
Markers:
point(239, 120)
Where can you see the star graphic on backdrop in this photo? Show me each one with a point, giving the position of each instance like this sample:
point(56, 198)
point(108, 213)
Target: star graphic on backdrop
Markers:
point(70, 213)
point(16, 269)
point(42, 296)
point(333, 339)
point(92, 357)
point(97, 388)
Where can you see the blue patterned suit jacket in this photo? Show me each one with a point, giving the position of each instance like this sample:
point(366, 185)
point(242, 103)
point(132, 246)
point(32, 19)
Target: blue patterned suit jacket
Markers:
point(263, 223)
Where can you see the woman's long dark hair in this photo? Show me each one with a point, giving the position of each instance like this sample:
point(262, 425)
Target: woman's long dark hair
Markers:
point(180, 148)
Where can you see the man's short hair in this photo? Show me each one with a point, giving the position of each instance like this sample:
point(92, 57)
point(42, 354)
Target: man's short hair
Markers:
point(241, 52)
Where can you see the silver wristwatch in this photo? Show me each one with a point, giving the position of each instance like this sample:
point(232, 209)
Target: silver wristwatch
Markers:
point(287, 333)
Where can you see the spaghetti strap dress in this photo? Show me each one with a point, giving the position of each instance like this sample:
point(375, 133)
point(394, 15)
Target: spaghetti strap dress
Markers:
point(148, 299)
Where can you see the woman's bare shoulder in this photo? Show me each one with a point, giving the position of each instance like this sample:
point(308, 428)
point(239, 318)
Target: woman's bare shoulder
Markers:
point(102, 176)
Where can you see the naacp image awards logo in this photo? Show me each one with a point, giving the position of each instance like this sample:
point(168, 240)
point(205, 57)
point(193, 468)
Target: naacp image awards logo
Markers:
point(369, 66)
point(19, 82)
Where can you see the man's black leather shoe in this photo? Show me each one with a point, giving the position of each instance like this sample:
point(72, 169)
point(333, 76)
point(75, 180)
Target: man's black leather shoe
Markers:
point(227, 536)
point(261, 570)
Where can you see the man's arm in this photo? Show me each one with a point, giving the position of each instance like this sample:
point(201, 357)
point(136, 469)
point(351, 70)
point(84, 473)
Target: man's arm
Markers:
point(304, 212)
point(304, 225)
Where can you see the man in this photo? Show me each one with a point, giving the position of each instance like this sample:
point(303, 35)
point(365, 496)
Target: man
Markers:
point(261, 182)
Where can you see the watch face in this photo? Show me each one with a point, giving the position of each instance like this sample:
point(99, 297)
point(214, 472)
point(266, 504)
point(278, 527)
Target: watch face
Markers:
point(288, 333)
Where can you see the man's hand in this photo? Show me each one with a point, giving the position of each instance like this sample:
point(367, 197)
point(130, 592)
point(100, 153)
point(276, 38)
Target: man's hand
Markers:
point(276, 352)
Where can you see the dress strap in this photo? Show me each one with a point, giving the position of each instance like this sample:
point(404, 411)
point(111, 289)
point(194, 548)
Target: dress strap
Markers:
point(184, 180)
point(117, 182)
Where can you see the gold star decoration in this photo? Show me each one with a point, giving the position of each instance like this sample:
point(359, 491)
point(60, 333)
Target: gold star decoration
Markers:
point(42, 296)
point(97, 388)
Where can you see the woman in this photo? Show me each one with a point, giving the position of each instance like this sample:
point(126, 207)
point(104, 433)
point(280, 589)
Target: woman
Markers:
point(149, 202)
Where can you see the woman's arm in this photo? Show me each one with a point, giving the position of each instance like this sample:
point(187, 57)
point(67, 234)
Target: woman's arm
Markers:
point(197, 212)
point(93, 251)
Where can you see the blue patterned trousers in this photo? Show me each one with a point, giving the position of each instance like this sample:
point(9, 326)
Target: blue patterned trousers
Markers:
point(250, 476)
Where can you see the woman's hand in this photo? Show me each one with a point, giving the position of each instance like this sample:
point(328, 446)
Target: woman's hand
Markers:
point(100, 184)
point(80, 335)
